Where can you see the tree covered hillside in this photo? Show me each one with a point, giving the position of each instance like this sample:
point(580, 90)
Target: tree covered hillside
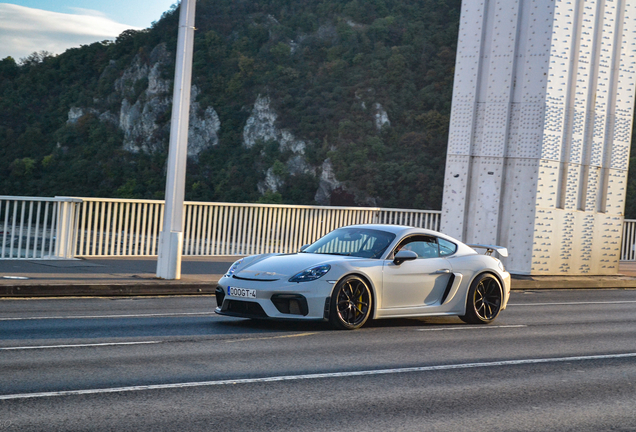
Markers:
point(296, 101)
point(328, 102)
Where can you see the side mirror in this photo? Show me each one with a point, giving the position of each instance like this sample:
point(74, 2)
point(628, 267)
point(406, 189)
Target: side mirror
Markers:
point(303, 247)
point(404, 255)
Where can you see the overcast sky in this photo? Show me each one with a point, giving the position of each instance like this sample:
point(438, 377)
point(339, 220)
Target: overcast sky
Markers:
point(56, 25)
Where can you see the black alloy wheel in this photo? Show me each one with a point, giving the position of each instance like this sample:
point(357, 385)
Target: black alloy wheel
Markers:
point(350, 304)
point(484, 300)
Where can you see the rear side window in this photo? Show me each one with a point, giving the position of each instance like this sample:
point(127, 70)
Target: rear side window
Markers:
point(446, 248)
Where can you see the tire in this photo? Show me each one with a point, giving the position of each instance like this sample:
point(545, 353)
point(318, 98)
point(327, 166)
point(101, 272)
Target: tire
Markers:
point(484, 300)
point(351, 304)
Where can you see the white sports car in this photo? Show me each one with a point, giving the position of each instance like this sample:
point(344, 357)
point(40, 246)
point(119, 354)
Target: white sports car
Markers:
point(363, 272)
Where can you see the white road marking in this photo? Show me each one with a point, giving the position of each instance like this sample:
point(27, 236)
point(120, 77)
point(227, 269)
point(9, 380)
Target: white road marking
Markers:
point(314, 376)
point(271, 337)
point(572, 303)
point(108, 316)
point(472, 328)
point(77, 345)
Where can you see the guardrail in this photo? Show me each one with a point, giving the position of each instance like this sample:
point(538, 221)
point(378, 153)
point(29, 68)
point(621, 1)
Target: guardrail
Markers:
point(102, 227)
point(628, 243)
point(120, 227)
point(33, 227)
point(67, 227)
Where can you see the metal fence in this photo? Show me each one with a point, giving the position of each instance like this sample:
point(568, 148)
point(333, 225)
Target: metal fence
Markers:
point(31, 226)
point(118, 227)
point(628, 244)
point(61, 227)
point(100, 227)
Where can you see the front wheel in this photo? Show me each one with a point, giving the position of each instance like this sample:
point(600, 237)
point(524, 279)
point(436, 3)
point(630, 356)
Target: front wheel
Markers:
point(484, 300)
point(350, 304)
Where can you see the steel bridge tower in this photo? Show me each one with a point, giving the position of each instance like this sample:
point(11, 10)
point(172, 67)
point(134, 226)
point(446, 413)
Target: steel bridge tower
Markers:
point(540, 131)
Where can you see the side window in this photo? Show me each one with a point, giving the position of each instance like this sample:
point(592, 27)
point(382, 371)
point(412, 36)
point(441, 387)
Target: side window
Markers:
point(446, 248)
point(423, 246)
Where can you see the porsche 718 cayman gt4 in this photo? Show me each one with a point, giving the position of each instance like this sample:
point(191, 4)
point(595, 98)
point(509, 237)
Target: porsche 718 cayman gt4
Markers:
point(363, 272)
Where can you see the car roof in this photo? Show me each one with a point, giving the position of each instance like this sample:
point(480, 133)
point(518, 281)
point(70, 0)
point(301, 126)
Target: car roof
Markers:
point(397, 229)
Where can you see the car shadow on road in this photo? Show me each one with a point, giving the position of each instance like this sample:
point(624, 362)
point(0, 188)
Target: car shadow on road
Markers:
point(415, 322)
point(262, 325)
point(266, 325)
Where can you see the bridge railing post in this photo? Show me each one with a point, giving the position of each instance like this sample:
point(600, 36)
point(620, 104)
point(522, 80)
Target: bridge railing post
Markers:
point(66, 229)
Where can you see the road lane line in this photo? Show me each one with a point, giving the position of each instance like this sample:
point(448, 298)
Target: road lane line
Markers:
point(572, 303)
point(473, 327)
point(175, 314)
point(314, 376)
point(77, 345)
point(271, 337)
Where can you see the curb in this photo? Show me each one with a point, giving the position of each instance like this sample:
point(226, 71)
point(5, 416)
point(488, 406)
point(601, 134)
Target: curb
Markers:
point(108, 290)
point(165, 288)
point(584, 282)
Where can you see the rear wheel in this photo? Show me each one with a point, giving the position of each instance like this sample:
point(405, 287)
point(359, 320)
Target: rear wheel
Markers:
point(350, 304)
point(484, 300)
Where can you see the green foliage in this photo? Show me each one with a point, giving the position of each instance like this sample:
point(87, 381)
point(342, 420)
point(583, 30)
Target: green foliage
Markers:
point(47, 161)
point(22, 167)
point(8, 68)
point(299, 189)
point(270, 197)
point(281, 51)
point(279, 169)
point(127, 190)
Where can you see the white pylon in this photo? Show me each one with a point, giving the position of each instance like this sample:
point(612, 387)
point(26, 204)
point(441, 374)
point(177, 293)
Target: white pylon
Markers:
point(171, 237)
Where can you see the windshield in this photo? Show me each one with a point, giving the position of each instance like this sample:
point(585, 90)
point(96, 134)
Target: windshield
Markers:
point(358, 242)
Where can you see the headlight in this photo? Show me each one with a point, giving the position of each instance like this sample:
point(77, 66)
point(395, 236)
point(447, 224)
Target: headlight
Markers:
point(311, 274)
point(233, 268)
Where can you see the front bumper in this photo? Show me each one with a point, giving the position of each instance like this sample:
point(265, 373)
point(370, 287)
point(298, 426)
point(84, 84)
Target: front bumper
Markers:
point(275, 299)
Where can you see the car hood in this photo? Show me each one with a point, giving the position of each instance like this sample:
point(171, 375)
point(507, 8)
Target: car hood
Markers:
point(276, 267)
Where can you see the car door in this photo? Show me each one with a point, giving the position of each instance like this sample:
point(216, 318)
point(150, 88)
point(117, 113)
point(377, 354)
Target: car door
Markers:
point(420, 282)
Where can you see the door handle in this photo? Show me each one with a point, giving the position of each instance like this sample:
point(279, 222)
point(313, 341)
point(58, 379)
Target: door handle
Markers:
point(442, 271)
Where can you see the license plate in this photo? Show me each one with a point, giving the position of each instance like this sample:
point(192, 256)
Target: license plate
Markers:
point(241, 292)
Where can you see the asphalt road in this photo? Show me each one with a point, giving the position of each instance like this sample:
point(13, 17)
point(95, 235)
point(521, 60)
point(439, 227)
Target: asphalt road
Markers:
point(553, 361)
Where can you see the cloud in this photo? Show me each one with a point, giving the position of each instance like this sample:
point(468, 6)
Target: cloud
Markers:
point(90, 12)
point(25, 30)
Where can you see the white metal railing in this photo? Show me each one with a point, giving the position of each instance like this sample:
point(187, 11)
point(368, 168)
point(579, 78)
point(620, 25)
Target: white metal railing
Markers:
point(628, 243)
point(33, 227)
point(61, 227)
point(118, 227)
point(121, 227)
point(45, 228)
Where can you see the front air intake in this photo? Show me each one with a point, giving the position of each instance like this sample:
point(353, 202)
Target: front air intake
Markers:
point(292, 304)
point(244, 308)
point(219, 293)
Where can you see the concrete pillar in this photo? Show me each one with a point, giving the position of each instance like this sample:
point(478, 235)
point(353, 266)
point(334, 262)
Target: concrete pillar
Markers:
point(540, 131)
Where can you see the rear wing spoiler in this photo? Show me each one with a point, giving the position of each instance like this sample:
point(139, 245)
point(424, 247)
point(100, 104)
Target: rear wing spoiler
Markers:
point(490, 248)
